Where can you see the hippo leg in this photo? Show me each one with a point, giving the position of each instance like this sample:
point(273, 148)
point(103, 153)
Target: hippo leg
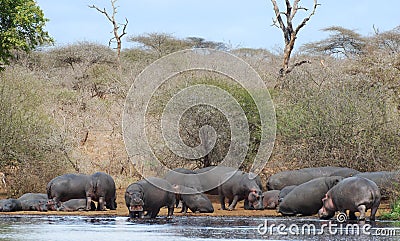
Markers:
point(234, 202)
point(154, 213)
point(352, 215)
point(373, 212)
point(184, 208)
point(362, 210)
point(222, 201)
point(247, 206)
point(88, 202)
point(171, 211)
point(101, 206)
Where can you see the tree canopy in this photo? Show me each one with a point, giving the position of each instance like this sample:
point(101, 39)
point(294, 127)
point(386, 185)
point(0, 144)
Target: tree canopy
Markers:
point(22, 25)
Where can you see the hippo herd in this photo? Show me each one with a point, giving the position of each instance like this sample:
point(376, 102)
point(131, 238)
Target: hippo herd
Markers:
point(307, 191)
point(325, 190)
point(69, 192)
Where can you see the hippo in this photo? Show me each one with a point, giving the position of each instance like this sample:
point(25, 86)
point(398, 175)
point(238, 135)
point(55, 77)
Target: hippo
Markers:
point(237, 186)
point(296, 177)
point(345, 172)
point(149, 195)
point(33, 196)
point(271, 199)
point(285, 191)
point(356, 194)
point(197, 202)
point(10, 205)
point(37, 202)
point(184, 177)
point(387, 182)
point(35, 205)
point(105, 191)
point(305, 199)
point(210, 177)
point(76, 205)
point(71, 186)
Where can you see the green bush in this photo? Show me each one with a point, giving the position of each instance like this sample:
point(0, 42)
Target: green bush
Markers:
point(194, 118)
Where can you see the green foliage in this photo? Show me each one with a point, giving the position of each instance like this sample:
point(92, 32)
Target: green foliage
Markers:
point(21, 27)
point(394, 214)
point(193, 119)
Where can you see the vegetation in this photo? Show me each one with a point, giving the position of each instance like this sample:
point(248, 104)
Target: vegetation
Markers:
point(21, 27)
point(60, 108)
point(394, 214)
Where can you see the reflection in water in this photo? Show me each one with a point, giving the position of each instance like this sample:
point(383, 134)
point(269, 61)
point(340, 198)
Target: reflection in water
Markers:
point(183, 228)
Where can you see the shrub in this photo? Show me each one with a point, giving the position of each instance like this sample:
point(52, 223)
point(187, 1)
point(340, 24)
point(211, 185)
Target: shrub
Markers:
point(30, 151)
point(198, 116)
point(329, 118)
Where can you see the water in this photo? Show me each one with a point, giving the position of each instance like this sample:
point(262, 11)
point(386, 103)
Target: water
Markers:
point(25, 227)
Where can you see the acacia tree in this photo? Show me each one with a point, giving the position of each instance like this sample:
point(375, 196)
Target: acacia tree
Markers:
point(116, 26)
point(289, 31)
point(22, 25)
point(164, 43)
point(341, 42)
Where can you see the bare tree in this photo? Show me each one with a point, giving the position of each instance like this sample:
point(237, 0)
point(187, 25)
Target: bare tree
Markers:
point(117, 36)
point(289, 31)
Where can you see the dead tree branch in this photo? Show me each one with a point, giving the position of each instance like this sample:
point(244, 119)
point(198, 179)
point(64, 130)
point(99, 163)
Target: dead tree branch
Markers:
point(116, 26)
point(289, 31)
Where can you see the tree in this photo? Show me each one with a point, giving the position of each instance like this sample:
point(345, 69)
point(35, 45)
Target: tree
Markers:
point(289, 31)
point(342, 42)
point(22, 25)
point(160, 43)
point(164, 43)
point(117, 36)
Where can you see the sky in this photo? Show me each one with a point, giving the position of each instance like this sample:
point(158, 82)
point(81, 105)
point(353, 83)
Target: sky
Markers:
point(240, 23)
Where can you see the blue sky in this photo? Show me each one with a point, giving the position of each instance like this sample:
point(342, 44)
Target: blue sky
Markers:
point(238, 22)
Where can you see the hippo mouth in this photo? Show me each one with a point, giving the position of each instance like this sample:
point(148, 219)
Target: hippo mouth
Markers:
point(136, 208)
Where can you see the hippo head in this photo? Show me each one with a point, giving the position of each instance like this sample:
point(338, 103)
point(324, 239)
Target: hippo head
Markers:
point(255, 198)
point(8, 205)
point(41, 206)
point(328, 208)
point(51, 205)
point(136, 203)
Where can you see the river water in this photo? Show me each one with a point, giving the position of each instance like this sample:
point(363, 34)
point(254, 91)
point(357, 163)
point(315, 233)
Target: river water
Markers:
point(190, 228)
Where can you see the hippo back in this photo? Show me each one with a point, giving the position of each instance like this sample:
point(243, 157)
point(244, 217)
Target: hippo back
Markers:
point(210, 177)
point(386, 181)
point(70, 186)
point(296, 177)
point(306, 198)
point(184, 177)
